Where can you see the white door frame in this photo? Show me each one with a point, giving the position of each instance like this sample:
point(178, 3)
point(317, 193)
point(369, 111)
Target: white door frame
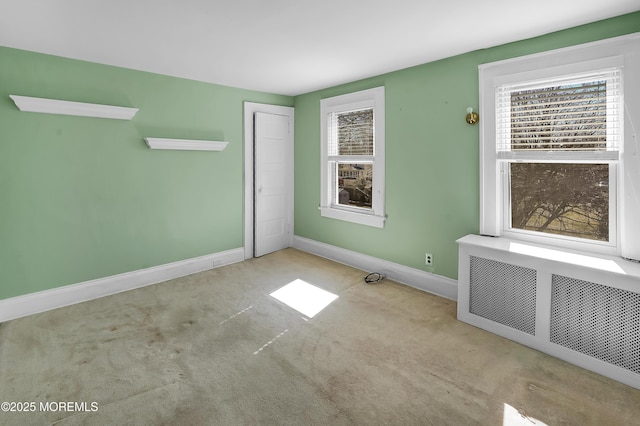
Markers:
point(250, 108)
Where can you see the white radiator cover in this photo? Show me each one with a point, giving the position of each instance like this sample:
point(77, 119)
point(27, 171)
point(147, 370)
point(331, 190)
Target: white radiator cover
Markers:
point(582, 308)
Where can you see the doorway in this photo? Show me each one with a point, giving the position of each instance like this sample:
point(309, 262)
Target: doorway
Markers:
point(268, 178)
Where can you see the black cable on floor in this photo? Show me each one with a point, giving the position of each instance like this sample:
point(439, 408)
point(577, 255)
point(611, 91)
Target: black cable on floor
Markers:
point(374, 277)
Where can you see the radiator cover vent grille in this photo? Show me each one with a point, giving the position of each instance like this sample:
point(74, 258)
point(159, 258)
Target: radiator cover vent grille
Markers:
point(588, 315)
point(503, 293)
point(596, 320)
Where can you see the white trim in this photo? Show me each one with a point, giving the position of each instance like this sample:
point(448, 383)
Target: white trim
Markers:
point(603, 54)
point(421, 280)
point(370, 98)
point(250, 108)
point(54, 106)
point(353, 216)
point(604, 44)
point(185, 144)
point(41, 301)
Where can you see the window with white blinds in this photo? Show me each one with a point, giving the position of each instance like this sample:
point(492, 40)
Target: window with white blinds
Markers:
point(575, 117)
point(352, 135)
point(559, 161)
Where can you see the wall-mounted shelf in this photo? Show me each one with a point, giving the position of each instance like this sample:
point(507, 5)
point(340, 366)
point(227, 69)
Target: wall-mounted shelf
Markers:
point(185, 144)
point(54, 106)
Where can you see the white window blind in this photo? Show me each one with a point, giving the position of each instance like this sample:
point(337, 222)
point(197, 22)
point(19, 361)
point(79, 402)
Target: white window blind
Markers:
point(573, 118)
point(351, 133)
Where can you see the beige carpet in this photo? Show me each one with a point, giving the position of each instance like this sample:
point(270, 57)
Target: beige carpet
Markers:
point(216, 348)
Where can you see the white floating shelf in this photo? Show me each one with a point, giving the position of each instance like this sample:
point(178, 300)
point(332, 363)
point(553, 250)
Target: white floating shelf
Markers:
point(53, 106)
point(185, 144)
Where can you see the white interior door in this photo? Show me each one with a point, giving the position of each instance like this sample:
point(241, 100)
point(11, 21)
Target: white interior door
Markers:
point(272, 183)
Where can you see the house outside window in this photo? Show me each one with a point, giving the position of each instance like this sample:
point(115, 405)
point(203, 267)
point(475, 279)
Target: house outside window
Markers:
point(352, 164)
point(557, 148)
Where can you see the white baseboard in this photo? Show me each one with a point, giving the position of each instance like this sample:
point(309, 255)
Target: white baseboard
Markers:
point(41, 301)
point(436, 284)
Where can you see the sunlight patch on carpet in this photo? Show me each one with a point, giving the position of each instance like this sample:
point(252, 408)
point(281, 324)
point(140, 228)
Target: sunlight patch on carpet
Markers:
point(513, 417)
point(304, 297)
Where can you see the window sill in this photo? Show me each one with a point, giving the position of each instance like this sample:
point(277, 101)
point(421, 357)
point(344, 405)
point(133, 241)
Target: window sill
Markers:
point(559, 242)
point(598, 262)
point(355, 217)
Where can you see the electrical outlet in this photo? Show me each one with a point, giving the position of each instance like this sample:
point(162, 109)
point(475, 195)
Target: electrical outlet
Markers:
point(428, 259)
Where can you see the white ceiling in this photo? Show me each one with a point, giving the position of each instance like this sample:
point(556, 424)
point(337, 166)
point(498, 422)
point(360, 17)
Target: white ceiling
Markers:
point(283, 46)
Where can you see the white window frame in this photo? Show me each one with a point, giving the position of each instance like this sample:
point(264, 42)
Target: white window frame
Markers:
point(620, 52)
point(371, 98)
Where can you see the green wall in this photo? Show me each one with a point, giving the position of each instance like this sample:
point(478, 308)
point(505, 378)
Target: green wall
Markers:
point(432, 184)
point(84, 198)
